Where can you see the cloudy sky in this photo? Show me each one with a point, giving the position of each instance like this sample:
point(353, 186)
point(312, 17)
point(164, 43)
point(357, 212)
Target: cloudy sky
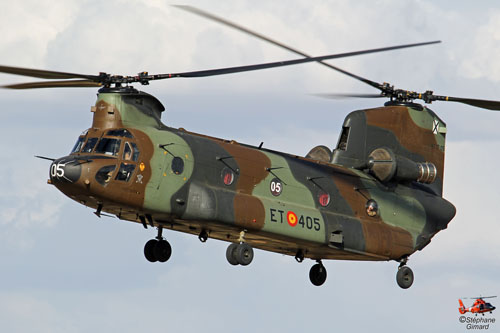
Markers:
point(65, 270)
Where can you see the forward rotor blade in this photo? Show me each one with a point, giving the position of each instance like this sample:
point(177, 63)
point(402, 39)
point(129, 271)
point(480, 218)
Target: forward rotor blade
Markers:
point(233, 25)
point(44, 74)
point(54, 84)
point(45, 158)
point(229, 70)
point(480, 103)
point(340, 96)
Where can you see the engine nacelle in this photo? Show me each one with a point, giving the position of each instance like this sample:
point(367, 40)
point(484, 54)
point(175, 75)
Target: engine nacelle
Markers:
point(387, 166)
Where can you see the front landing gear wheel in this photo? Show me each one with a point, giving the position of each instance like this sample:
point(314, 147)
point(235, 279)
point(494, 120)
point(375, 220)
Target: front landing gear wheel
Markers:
point(231, 254)
point(317, 274)
point(404, 277)
point(148, 250)
point(239, 254)
point(162, 251)
point(244, 254)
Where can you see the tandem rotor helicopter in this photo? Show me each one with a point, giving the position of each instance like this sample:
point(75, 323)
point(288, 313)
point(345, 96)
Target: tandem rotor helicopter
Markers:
point(376, 197)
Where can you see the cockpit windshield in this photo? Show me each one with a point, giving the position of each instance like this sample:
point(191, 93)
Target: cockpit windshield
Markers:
point(120, 132)
point(78, 145)
point(108, 146)
point(89, 145)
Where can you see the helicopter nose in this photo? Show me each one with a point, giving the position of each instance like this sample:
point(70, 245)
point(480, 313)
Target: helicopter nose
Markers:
point(65, 170)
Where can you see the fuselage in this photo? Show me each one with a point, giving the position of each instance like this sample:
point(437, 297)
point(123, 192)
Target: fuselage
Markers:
point(131, 165)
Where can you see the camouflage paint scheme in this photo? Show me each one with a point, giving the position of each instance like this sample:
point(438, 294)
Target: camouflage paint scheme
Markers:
point(190, 195)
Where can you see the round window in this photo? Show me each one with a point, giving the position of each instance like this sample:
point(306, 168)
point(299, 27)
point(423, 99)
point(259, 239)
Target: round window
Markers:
point(323, 198)
point(177, 165)
point(371, 208)
point(227, 176)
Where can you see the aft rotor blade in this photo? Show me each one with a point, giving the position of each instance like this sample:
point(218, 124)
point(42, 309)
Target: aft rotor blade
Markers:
point(238, 69)
point(54, 84)
point(233, 25)
point(44, 74)
point(480, 103)
point(340, 96)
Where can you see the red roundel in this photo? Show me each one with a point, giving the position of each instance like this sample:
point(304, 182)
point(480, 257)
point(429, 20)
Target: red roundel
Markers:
point(291, 218)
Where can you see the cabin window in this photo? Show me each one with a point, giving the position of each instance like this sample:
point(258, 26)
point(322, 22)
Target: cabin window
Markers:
point(323, 198)
point(227, 176)
point(89, 146)
point(103, 176)
point(108, 146)
point(130, 152)
point(78, 145)
point(125, 172)
point(177, 165)
point(344, 136)
point(371, 208)
point(120, 132)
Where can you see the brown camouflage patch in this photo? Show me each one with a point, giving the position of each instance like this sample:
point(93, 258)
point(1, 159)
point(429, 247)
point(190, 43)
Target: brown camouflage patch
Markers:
point(412, 137)
point(379, 237)
point(106, 116)
point(249, 212)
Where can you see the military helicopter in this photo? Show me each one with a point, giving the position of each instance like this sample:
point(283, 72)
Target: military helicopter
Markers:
point(376, 197)
point(479, 306)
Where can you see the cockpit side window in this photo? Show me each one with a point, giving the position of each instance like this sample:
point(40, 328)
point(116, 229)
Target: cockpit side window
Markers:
point(130, 152)
point(78, 145)
point(108, 146)
point(89, 145)
point(103, 176)
point(127, 152)
point(125, 172)
point(135, 155)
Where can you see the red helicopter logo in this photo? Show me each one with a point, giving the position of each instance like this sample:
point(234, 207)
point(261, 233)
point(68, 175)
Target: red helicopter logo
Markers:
point(479, 306)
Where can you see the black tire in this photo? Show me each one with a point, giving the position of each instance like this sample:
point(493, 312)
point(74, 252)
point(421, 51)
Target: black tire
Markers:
point(244, 254)
point(162, 250)
point(149, 250)
point(317, 274)
point(404, 277)
point(231, 254)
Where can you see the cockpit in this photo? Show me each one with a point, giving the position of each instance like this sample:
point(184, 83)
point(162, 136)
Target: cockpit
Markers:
point(118, 144)
point(108, 144)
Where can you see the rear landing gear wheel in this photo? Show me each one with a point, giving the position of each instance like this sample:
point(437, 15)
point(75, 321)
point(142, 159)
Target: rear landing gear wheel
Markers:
point(404, 277)
point(148, 250)
point(317, 274)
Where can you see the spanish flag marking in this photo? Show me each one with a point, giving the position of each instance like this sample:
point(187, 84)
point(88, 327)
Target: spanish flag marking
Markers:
point(291, 218)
